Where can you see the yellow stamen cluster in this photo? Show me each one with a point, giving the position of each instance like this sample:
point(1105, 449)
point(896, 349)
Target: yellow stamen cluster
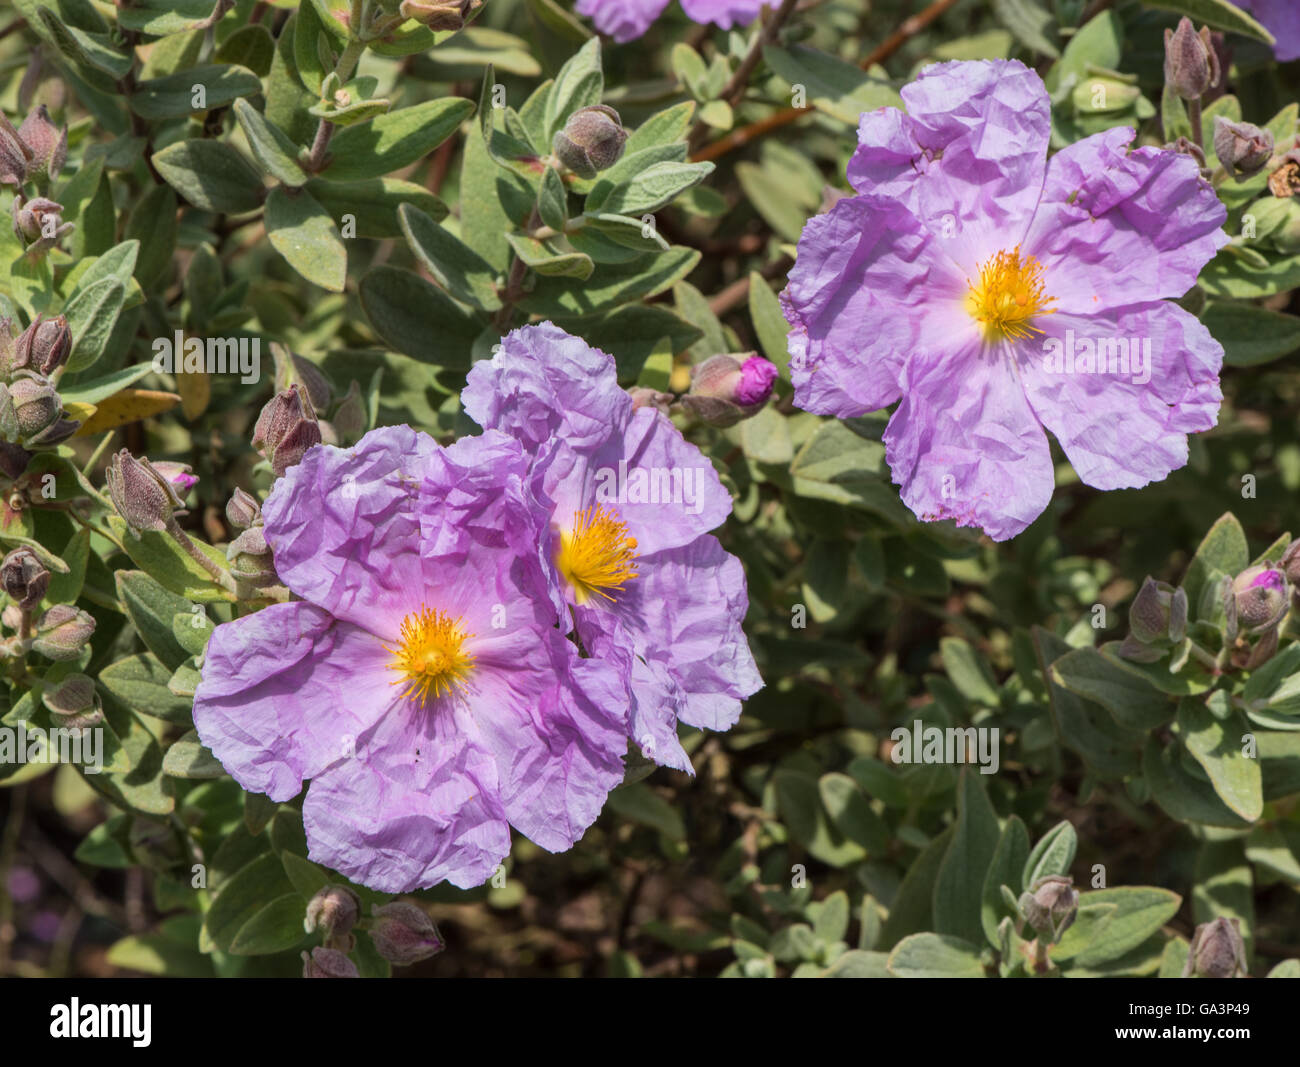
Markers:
point(596, 554)
point(1008, 295)
point(431, 657)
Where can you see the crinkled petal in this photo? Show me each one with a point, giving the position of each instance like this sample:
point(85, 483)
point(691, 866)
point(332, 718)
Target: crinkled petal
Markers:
point(284, 691)
point(544, 383)
point(964, 444)
point(342, 524)
point(856, 303)
point(724, 13)
point(1123, 418)
point(1117, 228)
point(1282, 19)
point(968, 157)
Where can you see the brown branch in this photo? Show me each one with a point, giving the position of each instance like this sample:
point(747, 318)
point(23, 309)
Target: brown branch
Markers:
point(908, 29)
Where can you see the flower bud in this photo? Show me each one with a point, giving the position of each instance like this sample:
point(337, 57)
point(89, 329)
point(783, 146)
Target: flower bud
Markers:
point(43, 347)
point(1051, 905)
point(649, 398)
point(180, 476)
point(294, 370)
point(404, 934)
point(334, 910)
point(15, 156)
point(328, 963)
point(37, 218)
point(24, 577)
point(1159, 612)
point(592, 140)
point(286, 428)
point(1191, 63)
point(243, 510)
point(1216, 951)
point(1259, 596)
point(1243, 149)
point(726, 389)
point(1290, 564)
point(62, 632)
point(48, 143)
point(250, 557)
point(36, 407)
point(142, 496)
point(74, 702)
point(439, 16)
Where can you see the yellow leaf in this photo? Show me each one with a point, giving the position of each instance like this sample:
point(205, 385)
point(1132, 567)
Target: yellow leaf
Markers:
point(80, 412)
point(129, 405)
point(196, 390)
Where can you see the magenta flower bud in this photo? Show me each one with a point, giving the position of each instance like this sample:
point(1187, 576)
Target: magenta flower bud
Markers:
point(1191, 63)
point(75, 702)
point(1259, 596)
point(726, 389)
point(62, 632)
point(47, 142)
point(24, 577)
point(286, 429)
point(243, 510)
point(328, 963)
point(1217, 951)
point(142, 496)
point(404, 934)
point(43, 347)
point(180, 476)
point(592, 140)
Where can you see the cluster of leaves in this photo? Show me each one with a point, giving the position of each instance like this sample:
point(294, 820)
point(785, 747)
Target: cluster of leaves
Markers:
point(383, 200)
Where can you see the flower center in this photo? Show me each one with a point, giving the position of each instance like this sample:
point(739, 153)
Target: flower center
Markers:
point(596, 554)
point(1008, 294)
point(431, 658)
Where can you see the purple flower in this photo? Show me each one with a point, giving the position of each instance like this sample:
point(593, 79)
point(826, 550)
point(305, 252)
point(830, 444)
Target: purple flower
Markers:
point(420, 682)
point(1282, 19)
point(625, 20)
point(993, 294)
point(631, 561)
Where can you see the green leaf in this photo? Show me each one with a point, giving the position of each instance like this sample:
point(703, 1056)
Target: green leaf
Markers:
point(1224, 887)
point(769, 323)
point(647, 191)
point(1251, 335)
point(401, 305)
point(140, 682)
point(395, 140)
point(249, 46)
point(151, 608)
point(177, 95)
point(851, 813)
point(1052, 855)
point(1005, 868)
point(1222, 551)
point(270, 145)
point(935, 956)
point(1122, 691)
point(640, 803)
point(211, 175)
point(373, 204)
point(1219, 14)
point(842, 90)
point(630, 334)
point(161, 954)
point(579, 83)
point(1031, 24)
point(552, 200)
point(66, 588)
point(92, 314)
point(799, 800)
point(913, 902)
point(153, 224)
point(540, 258)
point(1182, 795)
point(454, 265)
point(1090, 924)
point(191, 629)
point(957, 910)
point(616, 284)
point(859, 964)
point(256, 912)
point(1217, 746)
point(162, 558)
point(1140, 912)
point(304, 233)
point(969, 671)
point(187, 758)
